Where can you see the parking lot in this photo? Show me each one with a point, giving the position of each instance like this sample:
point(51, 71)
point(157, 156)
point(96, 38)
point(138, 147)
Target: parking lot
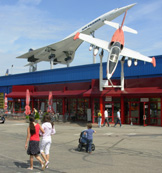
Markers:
point(127, 149)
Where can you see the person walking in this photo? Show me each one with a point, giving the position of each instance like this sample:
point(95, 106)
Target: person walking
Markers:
point(89, 133)
point(49, 129)
point(106, 118)
point(99, 119)
point(33, 138)
point(118, 118)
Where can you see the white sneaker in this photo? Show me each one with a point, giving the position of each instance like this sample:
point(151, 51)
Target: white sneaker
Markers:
point(46, 165)
point(43, 166)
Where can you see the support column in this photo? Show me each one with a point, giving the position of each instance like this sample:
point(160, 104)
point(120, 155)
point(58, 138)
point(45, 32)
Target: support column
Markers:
point(101, 72)
point(122, 73)
point(161, 111)
point(122, 110)
point(51, 63)
point(92, 109)
point(63, 108)
point(94, 56)
point(144, 115)
point(67, 64)
point(101, 108)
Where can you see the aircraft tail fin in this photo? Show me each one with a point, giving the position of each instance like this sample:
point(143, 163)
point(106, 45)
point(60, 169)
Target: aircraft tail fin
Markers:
point(112, 24)
point(128, 29)
point(124, 28)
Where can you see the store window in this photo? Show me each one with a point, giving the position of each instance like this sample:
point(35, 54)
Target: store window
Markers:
point(23, 104)
point(36, 104)
point(59, 106)
point(80, 110)
point(10, 106)
point(155, 111)
point(96, 109)
point(17, 105)
point(134, 108)
point(82, 106)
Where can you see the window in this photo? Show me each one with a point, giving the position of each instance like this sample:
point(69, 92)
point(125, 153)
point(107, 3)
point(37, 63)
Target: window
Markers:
point(96, 109)
point(155, 111)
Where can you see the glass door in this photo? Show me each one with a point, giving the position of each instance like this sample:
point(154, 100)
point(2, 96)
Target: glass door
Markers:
point(115, 110)
point(134, 113)
point(155, 112)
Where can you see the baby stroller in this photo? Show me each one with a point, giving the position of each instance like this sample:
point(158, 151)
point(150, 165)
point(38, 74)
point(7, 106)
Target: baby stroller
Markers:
point(83, 142)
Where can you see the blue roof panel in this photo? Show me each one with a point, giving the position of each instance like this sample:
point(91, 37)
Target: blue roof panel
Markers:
point(82, 73)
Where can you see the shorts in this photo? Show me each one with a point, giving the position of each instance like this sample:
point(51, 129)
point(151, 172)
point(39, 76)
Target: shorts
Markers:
point(45, 146)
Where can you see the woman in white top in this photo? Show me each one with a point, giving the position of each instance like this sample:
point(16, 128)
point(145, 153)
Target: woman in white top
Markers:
point(49, 129)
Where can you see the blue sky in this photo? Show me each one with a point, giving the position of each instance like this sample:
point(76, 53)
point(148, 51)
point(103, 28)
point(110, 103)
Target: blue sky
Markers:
point(36, 23)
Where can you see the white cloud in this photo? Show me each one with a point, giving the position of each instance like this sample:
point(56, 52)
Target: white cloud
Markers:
point(24, 25)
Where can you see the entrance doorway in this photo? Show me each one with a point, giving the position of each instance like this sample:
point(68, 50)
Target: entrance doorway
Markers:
point(112, 107)
point(131, 111)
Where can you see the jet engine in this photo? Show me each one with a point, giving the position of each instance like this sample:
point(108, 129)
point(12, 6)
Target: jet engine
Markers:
point(135, 62)
point(129, 62)
point(96, 49)
point(90, 47)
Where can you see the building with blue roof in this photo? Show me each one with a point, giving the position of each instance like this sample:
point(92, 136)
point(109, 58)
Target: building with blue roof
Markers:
point(76, 92)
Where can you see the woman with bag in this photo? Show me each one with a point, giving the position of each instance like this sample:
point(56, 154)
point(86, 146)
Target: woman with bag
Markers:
point(49, 129)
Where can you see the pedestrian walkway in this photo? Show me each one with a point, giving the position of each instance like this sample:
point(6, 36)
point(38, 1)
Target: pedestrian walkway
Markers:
point(128, 149)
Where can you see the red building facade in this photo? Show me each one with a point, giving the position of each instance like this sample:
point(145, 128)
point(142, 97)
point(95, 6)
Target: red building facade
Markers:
point(82, 100)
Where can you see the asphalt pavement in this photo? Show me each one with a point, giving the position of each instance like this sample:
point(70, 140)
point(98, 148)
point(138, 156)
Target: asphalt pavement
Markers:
point(130, 149)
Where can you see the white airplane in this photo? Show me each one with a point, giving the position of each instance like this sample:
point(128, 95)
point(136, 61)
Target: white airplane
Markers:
point(63, 52)
point(116, 47)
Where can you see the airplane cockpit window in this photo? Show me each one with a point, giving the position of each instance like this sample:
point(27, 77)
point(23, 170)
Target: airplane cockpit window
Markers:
point(115, 50)
point(113, 58)
point(114, 54)
point(117, 44)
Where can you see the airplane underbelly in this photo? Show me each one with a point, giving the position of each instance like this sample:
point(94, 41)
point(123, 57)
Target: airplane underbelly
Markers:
point(112, 60)
point(111, 67)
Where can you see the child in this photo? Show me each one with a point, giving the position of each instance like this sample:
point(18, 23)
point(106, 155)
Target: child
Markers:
point(89, 132)
point(33, 148)
point(49, 129)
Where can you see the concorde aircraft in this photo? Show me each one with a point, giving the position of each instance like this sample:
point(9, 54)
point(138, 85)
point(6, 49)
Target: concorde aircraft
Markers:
point(63, 52)
point(116, 47)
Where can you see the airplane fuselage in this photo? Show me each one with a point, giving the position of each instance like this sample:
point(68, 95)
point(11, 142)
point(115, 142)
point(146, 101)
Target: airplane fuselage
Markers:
point(115, 46)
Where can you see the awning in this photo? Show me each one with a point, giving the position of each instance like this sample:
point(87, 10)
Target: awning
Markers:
point(105, 92)
point(18, 95)
point(148, 91)
point(69, 93)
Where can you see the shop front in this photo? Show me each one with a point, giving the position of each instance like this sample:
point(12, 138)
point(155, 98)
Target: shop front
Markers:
point(140, 111)
point(82, 101)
